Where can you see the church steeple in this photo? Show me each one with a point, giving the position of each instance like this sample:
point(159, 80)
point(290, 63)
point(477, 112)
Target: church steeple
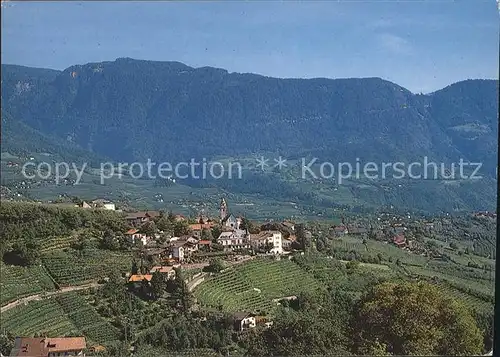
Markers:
point(223, 209)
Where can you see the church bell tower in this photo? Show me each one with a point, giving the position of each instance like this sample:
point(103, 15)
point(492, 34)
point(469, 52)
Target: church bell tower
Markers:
point(223, 209)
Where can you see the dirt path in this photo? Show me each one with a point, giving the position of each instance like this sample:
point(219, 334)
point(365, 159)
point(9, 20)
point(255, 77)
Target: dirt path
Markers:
point(196, 281)
point(44, 295)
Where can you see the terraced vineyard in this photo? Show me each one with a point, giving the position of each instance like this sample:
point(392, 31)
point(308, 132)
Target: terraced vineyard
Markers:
point(52, 244)
point(38, 317)
point(479, 286)
point(66, 314)
point(18, 282)
point(470, 301)
point(252, 286)
point(68, 269)
point(86, 319)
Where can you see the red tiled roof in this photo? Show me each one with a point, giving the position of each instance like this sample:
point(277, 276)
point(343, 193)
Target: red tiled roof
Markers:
point(199, 226)
point(132, 231)
point(162, 269)
point(62, 344)
point(205, 242)
point(399, 239)
point(41, 347)
point(140, 277)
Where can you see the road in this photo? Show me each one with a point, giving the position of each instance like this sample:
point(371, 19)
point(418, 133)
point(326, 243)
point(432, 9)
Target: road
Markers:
point(44, 295)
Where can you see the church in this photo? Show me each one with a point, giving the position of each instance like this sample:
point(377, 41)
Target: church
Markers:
point(227, 219)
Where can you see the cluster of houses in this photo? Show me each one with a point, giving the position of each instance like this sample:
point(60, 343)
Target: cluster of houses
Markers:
point(233, 237)
point(178, 250)
point(395, 232)
point(485, 214)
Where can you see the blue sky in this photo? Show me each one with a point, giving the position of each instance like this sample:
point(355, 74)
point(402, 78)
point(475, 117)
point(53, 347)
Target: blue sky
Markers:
point(422, 45)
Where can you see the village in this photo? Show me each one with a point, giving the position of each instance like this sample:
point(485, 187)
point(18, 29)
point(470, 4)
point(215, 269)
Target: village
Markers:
point(235, 238)
point(166, 243)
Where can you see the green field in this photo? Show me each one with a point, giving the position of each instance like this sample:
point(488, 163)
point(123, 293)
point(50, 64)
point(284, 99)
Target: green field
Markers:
point(252, 286)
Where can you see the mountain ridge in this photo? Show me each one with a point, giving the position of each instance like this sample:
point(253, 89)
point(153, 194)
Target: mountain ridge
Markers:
point(129, 110)
point(103, 105)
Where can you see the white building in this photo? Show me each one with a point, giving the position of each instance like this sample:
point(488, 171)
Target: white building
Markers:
point(135, 236)
point(109, 206)
point(243, 321)
point(273, 239)
point(237, 239)
point(178, 252)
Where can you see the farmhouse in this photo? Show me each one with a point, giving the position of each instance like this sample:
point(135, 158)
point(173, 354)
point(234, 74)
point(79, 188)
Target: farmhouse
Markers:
point(169, 271)
point(135, 236)
point(183, 247)
point(357, 231)
point(179, 218)
point(204, 245)
point(339, 231)
point(49, 347)
point(102, 203)
point(139, 277)
point(243, 321)
point(399, 240)
point(138, 218)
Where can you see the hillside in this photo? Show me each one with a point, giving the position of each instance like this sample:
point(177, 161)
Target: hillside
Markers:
point(133, 110)
point(20, 139)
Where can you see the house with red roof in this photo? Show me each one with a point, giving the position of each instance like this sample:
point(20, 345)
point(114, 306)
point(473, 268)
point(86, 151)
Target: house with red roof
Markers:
point(399, 240)
point(135, 236)
point(48, 347)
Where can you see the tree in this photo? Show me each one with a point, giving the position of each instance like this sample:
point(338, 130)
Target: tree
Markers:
point(216, 231)
point(206, 234)
point(181, 292)
point(158, 285)
point(247, 224)
point(352, 264)
point(6, 344)
point(181, 228)
point(135, 268)
point(109, 241)
point(414, 319)
point(82, 242)
point(216, 265)
point(149, 228)
point(302, 236)
point(27, 251)
point(164, 224)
